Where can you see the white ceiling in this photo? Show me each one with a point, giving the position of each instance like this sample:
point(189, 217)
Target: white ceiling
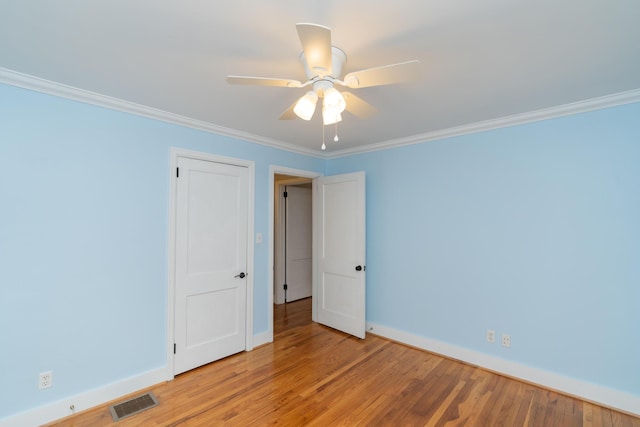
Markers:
point(480, 60)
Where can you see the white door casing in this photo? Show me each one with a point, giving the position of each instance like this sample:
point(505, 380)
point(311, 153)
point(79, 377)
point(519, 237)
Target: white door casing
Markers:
point(211, 249)
point(339, 252)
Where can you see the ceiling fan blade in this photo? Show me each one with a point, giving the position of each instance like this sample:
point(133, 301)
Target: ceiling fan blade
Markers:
point(358, 107)
point(262, 81)
point(387, 74)
point(316, 44)
point(288, 114)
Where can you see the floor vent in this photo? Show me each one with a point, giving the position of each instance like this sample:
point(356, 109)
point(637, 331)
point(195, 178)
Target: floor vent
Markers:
point(133, 406)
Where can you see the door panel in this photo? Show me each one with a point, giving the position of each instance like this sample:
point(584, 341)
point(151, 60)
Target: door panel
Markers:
point(211, 250)
point(211, 221)
point(298, 243)
point(208, 316)
point(339, 239)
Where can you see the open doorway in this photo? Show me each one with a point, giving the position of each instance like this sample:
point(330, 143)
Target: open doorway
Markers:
point(338, 256)
point(292, 250)
point(292, 246)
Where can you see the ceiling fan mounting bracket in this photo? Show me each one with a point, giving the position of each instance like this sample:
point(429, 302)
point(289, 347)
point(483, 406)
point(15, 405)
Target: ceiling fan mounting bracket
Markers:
point(350, 81)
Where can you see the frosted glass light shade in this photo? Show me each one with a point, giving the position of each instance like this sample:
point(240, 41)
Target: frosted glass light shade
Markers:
point(334, 100)
point(330, 116)
point(306, 106)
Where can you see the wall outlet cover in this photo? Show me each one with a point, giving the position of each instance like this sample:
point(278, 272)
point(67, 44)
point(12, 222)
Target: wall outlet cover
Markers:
point(506, 340)
point(45, 380)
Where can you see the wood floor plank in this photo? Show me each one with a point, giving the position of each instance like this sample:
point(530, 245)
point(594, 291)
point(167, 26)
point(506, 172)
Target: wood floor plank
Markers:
point(499, 387)
point(436, 419)
point(313, 375)
point(472, 402)
point(508, 414)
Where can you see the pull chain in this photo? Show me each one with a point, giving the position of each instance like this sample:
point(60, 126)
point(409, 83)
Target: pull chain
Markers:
point(335, 138)
point(324, 147)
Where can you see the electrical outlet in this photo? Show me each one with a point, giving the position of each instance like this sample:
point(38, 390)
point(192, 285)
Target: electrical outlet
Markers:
point(491, 336)
point(45, 380)
point(506, 340)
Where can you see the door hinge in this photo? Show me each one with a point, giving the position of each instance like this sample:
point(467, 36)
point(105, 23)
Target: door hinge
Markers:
point(177, 172)
point(285, 286)
point(174, 348)
point(286, 194)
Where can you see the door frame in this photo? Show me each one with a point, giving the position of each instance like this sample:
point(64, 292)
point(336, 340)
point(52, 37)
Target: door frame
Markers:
point(175, 153)
point(273, 171)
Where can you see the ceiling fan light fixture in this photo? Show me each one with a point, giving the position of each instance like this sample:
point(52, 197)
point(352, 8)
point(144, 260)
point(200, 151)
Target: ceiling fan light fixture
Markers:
point(306, 106)
point(330, 116)
point(323, 64)
point(333, 100)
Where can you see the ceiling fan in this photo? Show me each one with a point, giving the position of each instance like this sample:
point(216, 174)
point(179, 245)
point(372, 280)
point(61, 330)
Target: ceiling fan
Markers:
point(323, 64)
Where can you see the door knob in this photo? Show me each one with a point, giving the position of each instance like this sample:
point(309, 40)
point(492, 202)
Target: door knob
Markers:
point(241, 275)
point(360, 268)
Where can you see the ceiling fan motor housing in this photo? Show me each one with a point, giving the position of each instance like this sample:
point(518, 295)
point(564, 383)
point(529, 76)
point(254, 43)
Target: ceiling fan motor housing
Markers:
point(338, 59)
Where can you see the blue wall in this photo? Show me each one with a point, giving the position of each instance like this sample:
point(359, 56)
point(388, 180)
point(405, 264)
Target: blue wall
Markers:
point(533, 231)
point(83, 241)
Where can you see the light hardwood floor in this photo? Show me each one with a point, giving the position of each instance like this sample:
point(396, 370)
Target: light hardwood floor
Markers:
point(313, 375)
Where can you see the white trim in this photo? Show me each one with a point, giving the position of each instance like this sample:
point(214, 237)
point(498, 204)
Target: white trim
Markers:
point(273, 170)
point(38, 84)
point(278, 242)
point(262, 338)
point(602, 102)
point(598, 394)
point(29, 82)
point(83, 401)
point(250, 255)
point(250, 165)
point(171, 263)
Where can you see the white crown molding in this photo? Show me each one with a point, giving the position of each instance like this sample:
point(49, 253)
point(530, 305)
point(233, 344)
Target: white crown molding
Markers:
point(602, 102)
point(27, 81)
point(37, 84)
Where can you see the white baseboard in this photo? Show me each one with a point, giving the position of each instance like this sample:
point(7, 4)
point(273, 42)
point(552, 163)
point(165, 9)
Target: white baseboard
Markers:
point(99, 396)
point(601, 395)
point(83, 401)
point(598, 394)
point(262, 338)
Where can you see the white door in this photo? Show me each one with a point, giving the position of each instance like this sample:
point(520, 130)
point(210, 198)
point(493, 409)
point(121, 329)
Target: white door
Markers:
point(339, 258)
point(211, 262)
point(298, 242)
